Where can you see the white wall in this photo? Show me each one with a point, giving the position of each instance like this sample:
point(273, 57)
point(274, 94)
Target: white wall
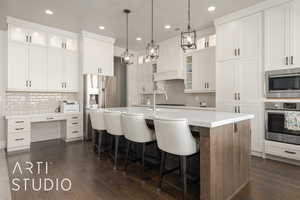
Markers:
point(2, 87)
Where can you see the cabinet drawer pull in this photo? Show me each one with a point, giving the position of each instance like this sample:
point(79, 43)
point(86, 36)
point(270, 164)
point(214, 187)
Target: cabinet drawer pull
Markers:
point(19, 122)
point(50, 118)
point(75, 123)
point(75, 131)
point(19, 129)
point(74, 117)
point(19, 139)
point(290, 152)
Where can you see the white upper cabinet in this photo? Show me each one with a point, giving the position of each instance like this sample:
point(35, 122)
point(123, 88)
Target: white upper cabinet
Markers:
point(63, 71)
point(170, 61)
point(295, 34)
point(27, 60)
point(282, 37)
point(37, 73)
point(55, 69)
point(276, 32)
point(227, 41)
point(41, 60)
point(200, 71)
point(97, 54)
point(17, 68)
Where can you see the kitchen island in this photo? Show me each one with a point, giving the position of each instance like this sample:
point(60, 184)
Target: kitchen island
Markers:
point(224, 139)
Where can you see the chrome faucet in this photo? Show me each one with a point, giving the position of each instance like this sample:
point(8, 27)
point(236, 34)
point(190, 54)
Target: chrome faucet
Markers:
point(154, 98)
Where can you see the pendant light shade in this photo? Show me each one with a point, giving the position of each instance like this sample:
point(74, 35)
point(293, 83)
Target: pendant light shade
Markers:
point(152, 49)
point(189, 37)
point(127, 58)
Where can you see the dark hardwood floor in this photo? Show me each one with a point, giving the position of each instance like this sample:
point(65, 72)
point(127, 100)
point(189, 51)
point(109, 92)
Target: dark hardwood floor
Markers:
point(94, 179)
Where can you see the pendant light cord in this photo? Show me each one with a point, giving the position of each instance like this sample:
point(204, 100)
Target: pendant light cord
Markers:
point(189, 14)
point(126, 31)
point(152, 32)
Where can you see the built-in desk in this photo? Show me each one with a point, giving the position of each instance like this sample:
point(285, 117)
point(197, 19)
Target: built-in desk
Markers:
point(18, 128)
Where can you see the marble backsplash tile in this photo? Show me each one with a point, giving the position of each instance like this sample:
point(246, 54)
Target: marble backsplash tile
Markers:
point(18, 103)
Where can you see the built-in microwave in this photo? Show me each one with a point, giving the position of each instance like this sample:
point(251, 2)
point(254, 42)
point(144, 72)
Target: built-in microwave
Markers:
point(283, 83)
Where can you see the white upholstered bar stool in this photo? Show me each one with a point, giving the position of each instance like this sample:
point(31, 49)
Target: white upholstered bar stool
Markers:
point(136, 131)
point(97, 121)
point(113, 124)
point(174, 137)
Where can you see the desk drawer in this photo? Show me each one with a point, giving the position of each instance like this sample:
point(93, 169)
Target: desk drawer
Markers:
point(74, 131)
point(18, 122)
point(18, 139)
point(74, 117)
point(73, 122)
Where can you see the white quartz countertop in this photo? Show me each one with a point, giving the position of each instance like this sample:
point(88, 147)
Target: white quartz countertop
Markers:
point(179, 107)
point(39, 115)
point(202, 118)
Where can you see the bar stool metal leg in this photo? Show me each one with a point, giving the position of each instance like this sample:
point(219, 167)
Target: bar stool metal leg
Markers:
point(117, 138)
point(161, 171)
point(143, 160)
point(127, 155)
point(100, 143)
point(183, 175)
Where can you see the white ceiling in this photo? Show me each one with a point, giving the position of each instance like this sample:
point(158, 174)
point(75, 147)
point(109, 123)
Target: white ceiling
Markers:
point(76, 15)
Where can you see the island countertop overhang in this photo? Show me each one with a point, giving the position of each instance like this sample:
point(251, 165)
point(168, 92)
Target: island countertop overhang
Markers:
point(200, 118)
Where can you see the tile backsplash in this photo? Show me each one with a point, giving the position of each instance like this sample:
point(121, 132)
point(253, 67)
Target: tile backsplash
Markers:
point(176, 95)
point(18, 103)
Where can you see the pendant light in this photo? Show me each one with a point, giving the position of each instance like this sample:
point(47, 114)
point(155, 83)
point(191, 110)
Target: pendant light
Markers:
point(152, 49)
point(127, 58)
point(188, 38)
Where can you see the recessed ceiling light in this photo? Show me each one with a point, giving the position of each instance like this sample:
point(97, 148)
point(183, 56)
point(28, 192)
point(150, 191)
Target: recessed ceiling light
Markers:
point(138, 38)
point(49, 12)
point(211, 8)
point(167, 26)
point(101, 27)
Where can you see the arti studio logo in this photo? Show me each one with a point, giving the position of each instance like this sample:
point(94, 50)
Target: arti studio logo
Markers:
point(42, 183)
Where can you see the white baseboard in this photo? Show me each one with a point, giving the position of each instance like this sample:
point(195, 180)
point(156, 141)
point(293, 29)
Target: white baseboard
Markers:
point(2, 144)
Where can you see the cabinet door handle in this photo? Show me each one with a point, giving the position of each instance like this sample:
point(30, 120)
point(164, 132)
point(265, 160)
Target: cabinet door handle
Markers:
point(207, 85)
point(204, 85)
point(18, 122)
point(235, 52)
point(239, 96)
point(239, 52)
point(286, 60)
point(19, 129)
point(290, 152)
point(19, 139)
point(292, 60)
point(235, 96)
point(26, 38)
point(26, 83)
point(235, 109)
point(239, 109)
point(29, 39)
point(29, 83)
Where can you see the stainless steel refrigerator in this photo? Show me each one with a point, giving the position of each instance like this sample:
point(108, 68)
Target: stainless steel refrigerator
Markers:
point(103, 92)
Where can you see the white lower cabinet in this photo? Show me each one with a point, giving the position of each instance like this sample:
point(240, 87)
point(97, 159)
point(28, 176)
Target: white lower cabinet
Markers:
point(19, 129)
point(279, 149)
